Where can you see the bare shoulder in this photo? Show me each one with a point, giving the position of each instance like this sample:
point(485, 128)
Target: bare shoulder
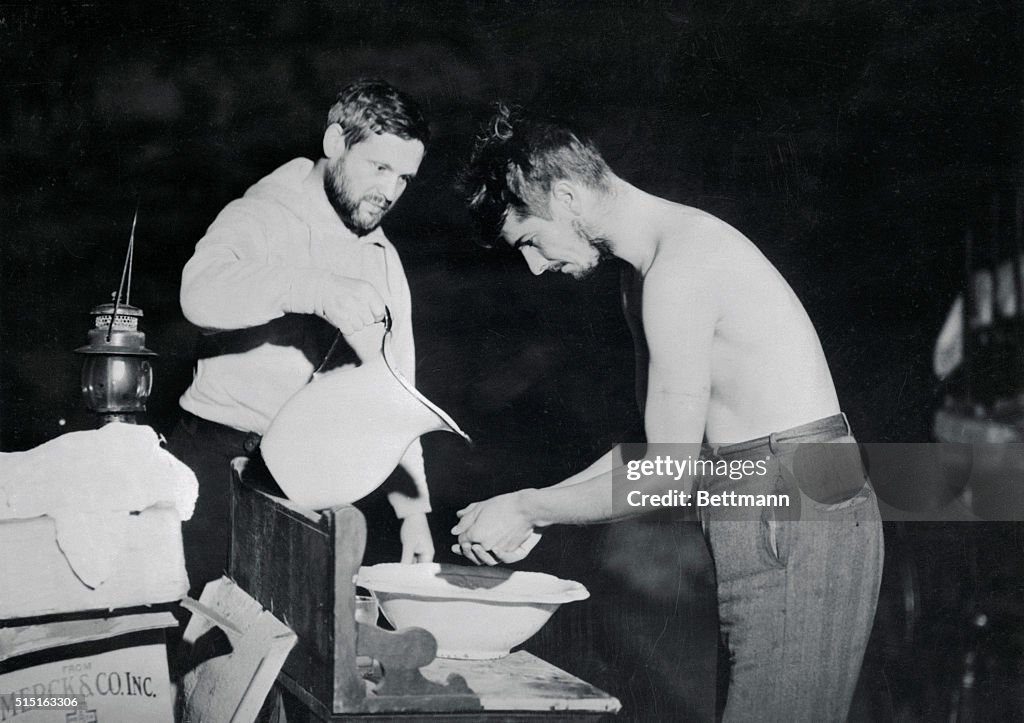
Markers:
point(695, 251)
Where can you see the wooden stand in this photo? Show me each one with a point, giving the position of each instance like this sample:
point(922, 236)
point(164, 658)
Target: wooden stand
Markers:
point(301, 565)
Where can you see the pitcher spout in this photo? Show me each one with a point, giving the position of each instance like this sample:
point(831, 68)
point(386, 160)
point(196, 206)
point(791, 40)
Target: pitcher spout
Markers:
point(439, 420)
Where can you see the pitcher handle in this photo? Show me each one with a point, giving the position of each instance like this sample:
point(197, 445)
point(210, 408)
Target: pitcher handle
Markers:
point(337, 339)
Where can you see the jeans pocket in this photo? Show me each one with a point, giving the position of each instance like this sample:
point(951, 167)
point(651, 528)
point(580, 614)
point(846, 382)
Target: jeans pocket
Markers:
point(775, 534)
point(814, 510)
point(828, 473)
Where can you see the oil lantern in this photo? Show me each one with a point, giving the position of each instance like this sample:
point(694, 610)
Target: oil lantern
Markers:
point(117, 376)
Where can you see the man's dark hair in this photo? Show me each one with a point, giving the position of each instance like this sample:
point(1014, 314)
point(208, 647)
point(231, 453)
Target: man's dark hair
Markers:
point(516, 159)
point(373, 106)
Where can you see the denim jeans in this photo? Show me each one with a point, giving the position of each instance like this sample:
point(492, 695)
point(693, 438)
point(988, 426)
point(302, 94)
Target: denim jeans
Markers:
point(797, 585)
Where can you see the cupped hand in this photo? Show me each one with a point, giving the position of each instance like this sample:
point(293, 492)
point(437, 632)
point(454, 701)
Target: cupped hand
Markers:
point(480, 556)
point(497, 529)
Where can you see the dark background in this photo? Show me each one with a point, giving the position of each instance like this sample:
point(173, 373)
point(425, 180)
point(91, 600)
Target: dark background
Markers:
point(852, 140)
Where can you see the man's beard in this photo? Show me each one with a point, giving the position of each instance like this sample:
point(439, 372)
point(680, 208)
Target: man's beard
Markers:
point(349, 209)
point(600, 246)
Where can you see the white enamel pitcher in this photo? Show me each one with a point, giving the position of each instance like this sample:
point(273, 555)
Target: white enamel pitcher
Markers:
point(341, 436)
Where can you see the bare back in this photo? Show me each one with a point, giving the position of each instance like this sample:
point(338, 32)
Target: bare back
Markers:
point(713, 308)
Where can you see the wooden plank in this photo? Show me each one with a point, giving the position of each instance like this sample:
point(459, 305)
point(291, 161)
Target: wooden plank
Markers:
point(404, 688)
point(524, 682)
point(349, 528)
point(264, 539)
point(231, 687)
point(300, 566)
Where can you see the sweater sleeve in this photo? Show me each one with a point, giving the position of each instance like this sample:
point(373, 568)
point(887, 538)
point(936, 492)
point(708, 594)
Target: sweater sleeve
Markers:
point(403, 346)
point(233, 279)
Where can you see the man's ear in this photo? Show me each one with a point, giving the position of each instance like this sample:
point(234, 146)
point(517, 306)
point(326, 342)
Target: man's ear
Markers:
point(565, 195)
point(334, 141)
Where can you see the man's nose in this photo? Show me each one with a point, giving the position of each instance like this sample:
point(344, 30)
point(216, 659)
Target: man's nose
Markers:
point(534, 259)
point(391, 188)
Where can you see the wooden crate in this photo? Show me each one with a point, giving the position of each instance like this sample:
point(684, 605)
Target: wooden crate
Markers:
point(300, 565)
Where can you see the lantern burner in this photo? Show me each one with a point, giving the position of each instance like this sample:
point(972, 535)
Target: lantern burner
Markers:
point(127, 318)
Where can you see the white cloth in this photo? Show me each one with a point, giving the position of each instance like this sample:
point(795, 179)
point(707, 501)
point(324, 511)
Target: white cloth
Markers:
point(270, 253)
point(90, 483)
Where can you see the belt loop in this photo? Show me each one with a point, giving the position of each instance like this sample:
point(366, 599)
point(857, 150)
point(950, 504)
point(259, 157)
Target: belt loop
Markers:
point(773, 442)
point(849, 429)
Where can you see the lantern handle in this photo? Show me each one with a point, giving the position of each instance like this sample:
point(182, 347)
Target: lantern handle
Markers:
point(126, 275)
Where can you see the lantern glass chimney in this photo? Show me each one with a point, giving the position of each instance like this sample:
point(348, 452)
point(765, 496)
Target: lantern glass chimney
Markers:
point(117, 375)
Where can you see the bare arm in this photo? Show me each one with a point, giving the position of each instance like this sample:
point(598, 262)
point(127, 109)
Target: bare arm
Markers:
point(679, 316)
point(679, 322)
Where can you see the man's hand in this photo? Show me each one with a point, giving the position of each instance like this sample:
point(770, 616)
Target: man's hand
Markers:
point(350, 304)
point(495, 530)
point(480, 556)
point(417, 545)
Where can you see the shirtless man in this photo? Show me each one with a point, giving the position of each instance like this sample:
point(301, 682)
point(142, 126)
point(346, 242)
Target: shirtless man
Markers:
point(734, 371)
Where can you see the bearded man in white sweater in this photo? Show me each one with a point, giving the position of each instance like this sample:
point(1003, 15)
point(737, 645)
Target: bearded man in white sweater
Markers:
point(297, 259)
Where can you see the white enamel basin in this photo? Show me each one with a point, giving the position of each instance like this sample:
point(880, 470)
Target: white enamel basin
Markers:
point(473, 612)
